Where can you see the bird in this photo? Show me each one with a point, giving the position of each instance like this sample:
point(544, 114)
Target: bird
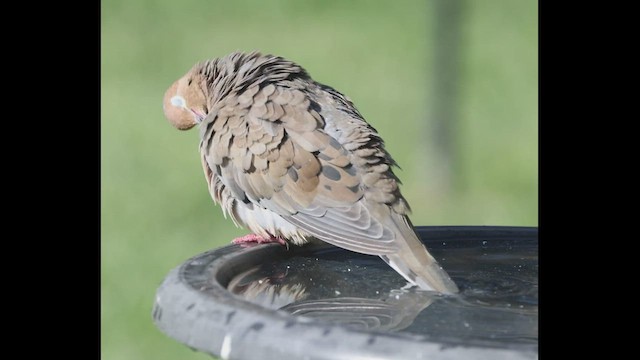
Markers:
point(294, 161)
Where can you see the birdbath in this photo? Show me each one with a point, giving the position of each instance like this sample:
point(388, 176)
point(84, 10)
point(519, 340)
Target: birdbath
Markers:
point(322, 302)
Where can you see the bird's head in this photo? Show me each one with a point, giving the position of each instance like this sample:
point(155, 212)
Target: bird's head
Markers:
point(185, 102)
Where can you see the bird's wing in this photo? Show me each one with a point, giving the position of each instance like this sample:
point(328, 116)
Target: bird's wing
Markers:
point(269, 147)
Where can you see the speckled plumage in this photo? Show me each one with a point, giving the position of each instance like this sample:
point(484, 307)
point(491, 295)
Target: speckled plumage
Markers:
point(288, 157)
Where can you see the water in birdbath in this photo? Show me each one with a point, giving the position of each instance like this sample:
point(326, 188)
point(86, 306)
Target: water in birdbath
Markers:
point(497, 304)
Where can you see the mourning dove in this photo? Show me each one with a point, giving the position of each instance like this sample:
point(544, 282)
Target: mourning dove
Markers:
point(293, 160)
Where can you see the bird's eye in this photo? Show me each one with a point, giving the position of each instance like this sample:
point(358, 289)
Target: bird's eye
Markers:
point(177, 101)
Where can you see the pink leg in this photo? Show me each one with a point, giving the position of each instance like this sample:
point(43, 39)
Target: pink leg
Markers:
point(254, 238)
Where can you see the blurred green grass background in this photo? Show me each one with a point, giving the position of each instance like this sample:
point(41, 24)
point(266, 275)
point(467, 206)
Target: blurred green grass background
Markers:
point(156, 211)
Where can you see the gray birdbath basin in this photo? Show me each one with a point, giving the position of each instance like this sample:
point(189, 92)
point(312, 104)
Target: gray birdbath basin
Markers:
point(322, 302)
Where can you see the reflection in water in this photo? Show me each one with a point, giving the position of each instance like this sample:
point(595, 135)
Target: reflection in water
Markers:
point(267, 291)
point(393, 312)
point(498, 299)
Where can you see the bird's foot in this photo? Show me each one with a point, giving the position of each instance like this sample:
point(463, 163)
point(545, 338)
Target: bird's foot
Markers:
point(257, 239)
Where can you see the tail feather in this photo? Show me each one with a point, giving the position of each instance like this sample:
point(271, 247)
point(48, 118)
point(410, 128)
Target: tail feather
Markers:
point(416, 264)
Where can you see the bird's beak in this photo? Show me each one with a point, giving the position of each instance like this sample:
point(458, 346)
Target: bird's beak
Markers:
point(199, 116)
